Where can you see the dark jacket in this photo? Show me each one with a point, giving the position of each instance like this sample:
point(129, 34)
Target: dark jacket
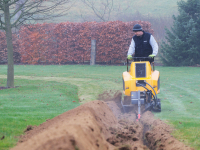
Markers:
point(142, 45)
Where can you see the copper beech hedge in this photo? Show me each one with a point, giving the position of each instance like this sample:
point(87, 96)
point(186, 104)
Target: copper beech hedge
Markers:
point(71, 42)
point(3, 48)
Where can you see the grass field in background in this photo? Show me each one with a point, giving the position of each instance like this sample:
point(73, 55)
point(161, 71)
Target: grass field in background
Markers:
point(60, 85)
point(80, 12)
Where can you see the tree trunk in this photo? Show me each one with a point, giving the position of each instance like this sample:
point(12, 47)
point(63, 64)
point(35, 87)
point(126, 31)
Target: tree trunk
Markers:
point(10, 71)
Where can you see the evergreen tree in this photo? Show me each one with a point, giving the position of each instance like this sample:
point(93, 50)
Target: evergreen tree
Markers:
point(183, 40)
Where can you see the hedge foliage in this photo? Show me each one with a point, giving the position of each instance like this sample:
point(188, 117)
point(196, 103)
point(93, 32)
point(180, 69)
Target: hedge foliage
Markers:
point(71, 42)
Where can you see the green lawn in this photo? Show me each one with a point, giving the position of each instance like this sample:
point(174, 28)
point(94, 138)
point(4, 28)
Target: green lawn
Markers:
point(180, 94)
point(44, 92)
point(32, 103)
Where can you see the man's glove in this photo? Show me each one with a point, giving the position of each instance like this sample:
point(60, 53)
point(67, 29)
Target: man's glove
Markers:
point(129, 57)
point(152, 56)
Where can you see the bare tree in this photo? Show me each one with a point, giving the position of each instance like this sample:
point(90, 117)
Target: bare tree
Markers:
point(104, 9)
point(100, 12)
point(16, 12)
point(17, 7)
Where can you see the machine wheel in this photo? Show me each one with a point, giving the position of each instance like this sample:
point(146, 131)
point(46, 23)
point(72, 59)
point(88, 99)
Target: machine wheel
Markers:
point(157, 108)
point(148, 107)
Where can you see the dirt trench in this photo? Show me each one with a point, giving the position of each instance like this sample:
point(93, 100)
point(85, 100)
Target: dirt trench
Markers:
point(100, 125)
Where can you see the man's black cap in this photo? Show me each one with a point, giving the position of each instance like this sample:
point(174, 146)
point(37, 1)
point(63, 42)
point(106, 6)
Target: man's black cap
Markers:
point(137, 27)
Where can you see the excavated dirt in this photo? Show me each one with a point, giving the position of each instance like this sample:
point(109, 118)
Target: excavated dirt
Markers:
point(100, 125)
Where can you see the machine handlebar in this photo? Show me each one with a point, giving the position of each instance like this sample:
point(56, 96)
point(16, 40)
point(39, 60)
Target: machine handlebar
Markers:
point(150, 59)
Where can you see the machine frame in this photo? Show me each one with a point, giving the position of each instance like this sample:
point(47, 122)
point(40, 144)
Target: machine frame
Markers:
point(141, 84)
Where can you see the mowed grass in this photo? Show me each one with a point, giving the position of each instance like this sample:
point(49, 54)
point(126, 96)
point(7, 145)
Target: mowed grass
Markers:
point(179, 94)
point(32, 103)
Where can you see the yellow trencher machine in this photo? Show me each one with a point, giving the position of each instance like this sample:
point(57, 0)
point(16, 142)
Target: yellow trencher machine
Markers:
point(141, 84)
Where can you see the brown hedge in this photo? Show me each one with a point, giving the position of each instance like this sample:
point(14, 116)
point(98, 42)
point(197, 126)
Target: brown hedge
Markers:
point(71, 42)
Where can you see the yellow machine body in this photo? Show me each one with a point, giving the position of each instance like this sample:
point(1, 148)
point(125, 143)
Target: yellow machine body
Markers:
point(141, 71)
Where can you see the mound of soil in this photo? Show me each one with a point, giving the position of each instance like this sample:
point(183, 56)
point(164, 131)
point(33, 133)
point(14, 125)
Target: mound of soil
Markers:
point(155, 134)
point(100, 125)
point(86, 126)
